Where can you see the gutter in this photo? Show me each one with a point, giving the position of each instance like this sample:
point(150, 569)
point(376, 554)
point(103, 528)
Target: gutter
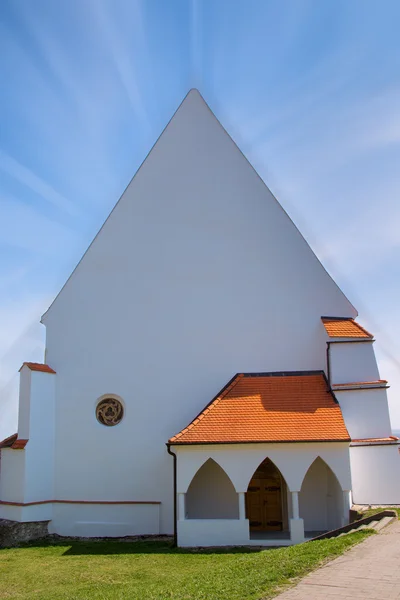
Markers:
point(328, 363)
point(361, 445)
point(365, 387)
point(175, 495)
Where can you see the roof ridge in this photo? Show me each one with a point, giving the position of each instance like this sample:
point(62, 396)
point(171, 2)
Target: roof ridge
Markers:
point(284, 373)
point(324, 317)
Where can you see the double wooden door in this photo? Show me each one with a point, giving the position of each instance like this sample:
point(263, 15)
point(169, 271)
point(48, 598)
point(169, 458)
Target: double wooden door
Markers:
point(264, 504)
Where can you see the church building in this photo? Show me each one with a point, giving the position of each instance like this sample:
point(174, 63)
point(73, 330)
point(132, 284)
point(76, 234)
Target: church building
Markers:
point(203, 374)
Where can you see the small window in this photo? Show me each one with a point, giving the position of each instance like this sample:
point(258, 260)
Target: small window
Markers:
point(109, 411)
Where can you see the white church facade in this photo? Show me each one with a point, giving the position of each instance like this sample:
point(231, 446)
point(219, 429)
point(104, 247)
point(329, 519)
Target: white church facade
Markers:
point(203, 373)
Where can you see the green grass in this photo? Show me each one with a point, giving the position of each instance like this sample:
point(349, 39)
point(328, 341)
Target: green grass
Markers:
point(111, 570)
point(373, 511)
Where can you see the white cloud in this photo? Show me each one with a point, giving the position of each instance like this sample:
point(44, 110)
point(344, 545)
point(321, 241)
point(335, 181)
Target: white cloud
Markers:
point(22, 226)
point(111, 37)
point(32, 181)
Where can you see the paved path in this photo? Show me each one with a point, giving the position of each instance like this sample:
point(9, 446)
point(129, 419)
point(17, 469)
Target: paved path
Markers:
point(369, 571)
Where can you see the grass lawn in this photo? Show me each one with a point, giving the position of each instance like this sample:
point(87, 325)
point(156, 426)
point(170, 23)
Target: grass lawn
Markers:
point(111, 570)
point(373, 511)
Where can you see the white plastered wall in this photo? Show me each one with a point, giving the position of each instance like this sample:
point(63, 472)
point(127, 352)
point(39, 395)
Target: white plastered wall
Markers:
point(321, 499)
point(12, 479)
point(365, 412)
point(352, 362)
point(27, 475)
point(375, 474)
point(211, 494)
point(375, 468)
point(39, 476)
point(240, 461)
point(108, 520)
point(155, 312)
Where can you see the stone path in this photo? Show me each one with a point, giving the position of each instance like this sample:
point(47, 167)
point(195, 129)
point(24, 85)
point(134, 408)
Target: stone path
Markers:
point(369, 571)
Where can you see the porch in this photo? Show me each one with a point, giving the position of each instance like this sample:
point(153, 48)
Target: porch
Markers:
point(228, 502)
point(265, 462)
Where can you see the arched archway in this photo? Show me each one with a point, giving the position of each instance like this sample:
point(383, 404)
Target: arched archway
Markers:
point(267, 499)
point(211, 494)
point(320, 498)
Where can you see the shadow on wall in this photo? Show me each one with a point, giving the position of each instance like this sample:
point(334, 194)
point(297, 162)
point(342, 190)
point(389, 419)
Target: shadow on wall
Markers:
point(211, 494)
point(321, 498)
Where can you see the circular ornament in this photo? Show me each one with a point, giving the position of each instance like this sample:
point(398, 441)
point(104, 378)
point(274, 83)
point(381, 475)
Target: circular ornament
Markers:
point(109, 411)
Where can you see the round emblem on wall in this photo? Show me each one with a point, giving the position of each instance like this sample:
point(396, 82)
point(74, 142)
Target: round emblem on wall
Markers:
point(109, 411)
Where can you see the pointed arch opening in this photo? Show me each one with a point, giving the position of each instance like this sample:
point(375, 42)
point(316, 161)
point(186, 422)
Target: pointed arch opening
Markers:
point(267, 502)
point(211, 494)
point(320, 498)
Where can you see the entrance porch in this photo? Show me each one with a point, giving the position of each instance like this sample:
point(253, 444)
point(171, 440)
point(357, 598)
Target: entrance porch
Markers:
point(238, 495)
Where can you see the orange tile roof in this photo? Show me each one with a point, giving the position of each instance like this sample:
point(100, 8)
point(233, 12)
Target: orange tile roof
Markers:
point(13, 442)
point(269, 407)
point(391, 438)
point(38, 367)
point(344, 328)
point(19, 444)
point(8, 441)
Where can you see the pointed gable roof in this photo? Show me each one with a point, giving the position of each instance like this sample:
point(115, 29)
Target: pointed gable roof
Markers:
point(195, 174)
point(269, 407)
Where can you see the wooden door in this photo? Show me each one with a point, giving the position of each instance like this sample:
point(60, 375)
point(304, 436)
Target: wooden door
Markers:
point(255, 504)
point(264, 504)
point(273, 504)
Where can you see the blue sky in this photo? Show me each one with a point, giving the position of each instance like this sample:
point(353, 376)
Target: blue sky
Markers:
point(309, 90)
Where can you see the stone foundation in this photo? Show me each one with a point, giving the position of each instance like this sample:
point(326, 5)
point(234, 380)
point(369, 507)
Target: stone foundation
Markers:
point(13, 533)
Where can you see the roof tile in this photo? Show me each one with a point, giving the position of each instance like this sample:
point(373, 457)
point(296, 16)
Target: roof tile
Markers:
point(38, 367)
point(269, 408)
point(344, 328)
point(8, 441)
point(13, 442)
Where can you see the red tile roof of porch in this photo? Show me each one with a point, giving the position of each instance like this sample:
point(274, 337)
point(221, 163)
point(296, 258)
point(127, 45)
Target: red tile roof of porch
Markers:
point(269, 407)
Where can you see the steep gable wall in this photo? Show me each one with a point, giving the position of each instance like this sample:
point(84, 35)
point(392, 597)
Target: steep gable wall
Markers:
point(197, 274)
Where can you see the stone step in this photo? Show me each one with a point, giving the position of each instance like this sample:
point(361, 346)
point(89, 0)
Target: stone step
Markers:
point(383, 522)
point(377, 525)
point(372, 524)
point(362, 527)
point(377, 522)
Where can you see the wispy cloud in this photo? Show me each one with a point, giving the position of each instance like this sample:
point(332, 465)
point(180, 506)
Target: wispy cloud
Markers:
point(75, 111)
point(23, 175)
point(305, 89)
point(23, 226)
point(116, 46)
point(316, 169)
